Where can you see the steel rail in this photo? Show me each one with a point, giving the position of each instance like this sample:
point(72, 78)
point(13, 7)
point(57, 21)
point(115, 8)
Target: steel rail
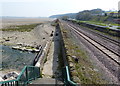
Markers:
point(99, 46)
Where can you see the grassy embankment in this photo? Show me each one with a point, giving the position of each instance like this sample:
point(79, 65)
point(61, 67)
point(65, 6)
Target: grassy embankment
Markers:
point(82, 72)
point(101, 23)
point(20, 28)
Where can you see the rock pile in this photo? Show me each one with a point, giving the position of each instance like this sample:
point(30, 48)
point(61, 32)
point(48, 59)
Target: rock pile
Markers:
point(10, 76)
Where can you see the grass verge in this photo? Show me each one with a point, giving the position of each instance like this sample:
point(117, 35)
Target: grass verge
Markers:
point(100, 23)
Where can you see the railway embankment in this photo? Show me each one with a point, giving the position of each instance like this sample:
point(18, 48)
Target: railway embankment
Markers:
point(82, 69)
point(104, 29)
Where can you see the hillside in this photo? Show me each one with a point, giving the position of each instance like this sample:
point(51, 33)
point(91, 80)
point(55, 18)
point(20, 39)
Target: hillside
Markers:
point(70, 15)
point(96, 15)
point(74, 15)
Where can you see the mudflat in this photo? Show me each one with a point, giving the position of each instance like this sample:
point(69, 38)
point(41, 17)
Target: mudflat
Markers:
point(39, 35)
point(36, 36)
point(5, 22)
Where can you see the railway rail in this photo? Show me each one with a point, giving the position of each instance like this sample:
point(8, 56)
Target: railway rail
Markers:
point(114, 41)
point(111, 54)
point(111, 44)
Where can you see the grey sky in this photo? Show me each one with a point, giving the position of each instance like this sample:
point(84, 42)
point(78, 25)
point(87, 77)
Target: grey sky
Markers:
point(45, 8)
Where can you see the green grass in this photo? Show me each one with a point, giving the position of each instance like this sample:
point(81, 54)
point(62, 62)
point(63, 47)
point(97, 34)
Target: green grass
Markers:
point(116, 24)
point(53, 23)
point(21, 28)
point(45, 60)
point(29, 47)
point(114, 37)
point(100, 23)
point(90, 22)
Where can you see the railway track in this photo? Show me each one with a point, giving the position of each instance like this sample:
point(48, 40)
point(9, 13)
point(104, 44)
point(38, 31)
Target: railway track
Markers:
point(106, 41)
point(114, 41)
point(110, 53)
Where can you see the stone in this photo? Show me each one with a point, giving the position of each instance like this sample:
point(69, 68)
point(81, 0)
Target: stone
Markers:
point(56, 34)
point(43, 38)
point(7, 39)
point(75, 59)
point(9, 75)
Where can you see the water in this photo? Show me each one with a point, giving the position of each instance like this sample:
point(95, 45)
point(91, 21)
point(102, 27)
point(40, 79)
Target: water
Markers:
point(15, 59)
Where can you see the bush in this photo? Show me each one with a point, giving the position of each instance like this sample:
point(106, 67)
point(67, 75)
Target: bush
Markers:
point(118, 27)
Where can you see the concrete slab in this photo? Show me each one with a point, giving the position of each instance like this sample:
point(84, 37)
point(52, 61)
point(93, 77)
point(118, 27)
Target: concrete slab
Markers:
point(46, 81)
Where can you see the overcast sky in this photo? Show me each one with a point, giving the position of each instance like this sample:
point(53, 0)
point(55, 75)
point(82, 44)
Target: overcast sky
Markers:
point(45, 8)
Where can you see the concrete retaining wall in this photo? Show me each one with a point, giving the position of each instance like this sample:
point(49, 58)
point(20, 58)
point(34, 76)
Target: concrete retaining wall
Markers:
point(43, 57)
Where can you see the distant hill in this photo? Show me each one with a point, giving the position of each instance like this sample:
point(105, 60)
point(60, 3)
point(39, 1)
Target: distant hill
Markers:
point(89, 14)
point(96, 15)
point(70, 15)
point(80, 14)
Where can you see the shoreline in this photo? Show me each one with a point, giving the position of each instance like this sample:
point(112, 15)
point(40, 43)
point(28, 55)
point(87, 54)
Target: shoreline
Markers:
point(38, 36)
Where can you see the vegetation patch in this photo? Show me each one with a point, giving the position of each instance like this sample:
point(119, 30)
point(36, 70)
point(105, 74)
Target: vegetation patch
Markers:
point(118, 27)
point(83, 71)
point(100, 23)
point(30, 47)
point(110, 33)
point(54, 23)
point(20, 28)
point(96, 23)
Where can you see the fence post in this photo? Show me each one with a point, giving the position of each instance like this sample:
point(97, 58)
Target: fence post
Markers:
point(27, 74)
point(16, 83)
